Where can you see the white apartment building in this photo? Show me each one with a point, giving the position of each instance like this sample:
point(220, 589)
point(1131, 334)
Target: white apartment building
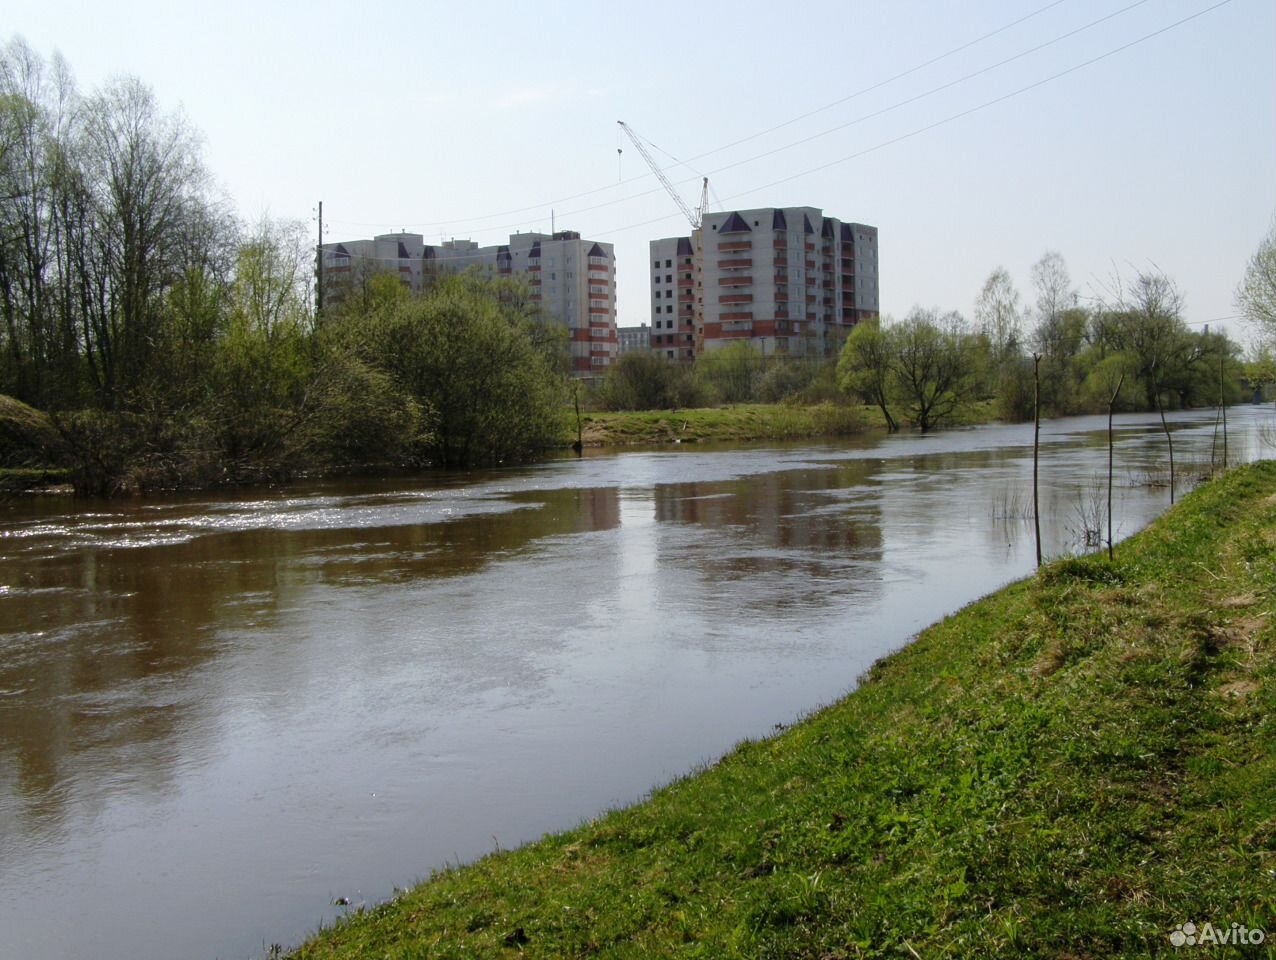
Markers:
point(788, 280)
point(673, 333)
point(573, 280)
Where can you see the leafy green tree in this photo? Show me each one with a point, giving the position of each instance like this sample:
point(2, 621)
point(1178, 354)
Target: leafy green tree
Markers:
point(933, 366)
point(865, 367)
point(1260, 370)
point(643, 380)
point(472, 364)
point(731, 373)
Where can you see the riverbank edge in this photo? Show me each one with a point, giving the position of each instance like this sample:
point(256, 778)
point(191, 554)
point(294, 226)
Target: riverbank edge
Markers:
point(746, 422)
point(1072, 766)
point(729, 423)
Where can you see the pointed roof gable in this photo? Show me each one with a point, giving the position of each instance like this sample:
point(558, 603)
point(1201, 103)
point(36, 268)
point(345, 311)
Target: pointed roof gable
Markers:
point(847, 237)
point(806, 224)
point(403, 251)
point(535, 251)
point(596, 251)
point(777, 220)
point(826, 229)
point(735, 224)
point(684, 247)
point(342, 251)
point(427, 253)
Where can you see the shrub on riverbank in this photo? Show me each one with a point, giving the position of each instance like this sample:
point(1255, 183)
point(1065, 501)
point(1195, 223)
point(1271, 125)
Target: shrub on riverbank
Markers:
point(1074, 766)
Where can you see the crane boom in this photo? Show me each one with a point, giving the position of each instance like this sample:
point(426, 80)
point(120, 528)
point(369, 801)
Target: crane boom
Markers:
point(695, 218)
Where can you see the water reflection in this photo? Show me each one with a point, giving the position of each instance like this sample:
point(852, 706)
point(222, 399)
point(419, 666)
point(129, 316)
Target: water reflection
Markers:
point(290, 694)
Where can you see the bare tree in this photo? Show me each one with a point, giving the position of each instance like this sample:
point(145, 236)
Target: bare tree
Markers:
point(1053, 285)
point(997, 314)
point(35, 101)
point(140, 179)
point(1256, 295)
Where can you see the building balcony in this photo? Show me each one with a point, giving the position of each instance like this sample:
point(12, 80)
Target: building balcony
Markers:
point(810, 264)
point(810, 247)
point(735, 281)
point(810, 299)
point(731, 246)
point(736, 263)
point(736, 298)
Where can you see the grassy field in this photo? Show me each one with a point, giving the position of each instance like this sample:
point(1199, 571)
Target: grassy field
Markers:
point(750, 421)
point(1071, 768)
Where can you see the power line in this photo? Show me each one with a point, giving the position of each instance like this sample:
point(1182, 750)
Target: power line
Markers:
point(838, 102)
point(919, 130)
point(873, 115)
point(988, 103)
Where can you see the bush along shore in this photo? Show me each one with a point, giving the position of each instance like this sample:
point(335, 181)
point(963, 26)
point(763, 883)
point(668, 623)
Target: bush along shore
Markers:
point(1079, 765)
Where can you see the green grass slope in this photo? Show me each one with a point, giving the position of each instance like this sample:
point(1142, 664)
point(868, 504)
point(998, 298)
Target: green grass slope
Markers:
point(1068, 768)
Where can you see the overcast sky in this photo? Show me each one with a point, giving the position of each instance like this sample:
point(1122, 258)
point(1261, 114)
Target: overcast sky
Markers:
point(971, 134)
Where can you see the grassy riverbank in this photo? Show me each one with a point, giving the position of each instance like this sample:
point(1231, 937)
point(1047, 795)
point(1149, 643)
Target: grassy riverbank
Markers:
point(738, 422)
point(1068, 768)
point(749, 421)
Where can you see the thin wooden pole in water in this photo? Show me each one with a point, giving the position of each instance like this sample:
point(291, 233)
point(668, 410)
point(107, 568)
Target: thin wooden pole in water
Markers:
point(1036, 444)
point(1218, 416)
point(1222, 403)
point(1156, 388)
point(1111, 407)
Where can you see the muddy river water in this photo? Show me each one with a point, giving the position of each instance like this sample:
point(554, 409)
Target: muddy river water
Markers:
point(221, 713)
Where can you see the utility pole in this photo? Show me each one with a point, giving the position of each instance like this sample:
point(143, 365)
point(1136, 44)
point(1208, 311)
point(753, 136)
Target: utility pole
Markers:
point(319, 262)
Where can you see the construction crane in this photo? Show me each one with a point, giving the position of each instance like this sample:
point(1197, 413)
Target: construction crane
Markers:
point(696, 219)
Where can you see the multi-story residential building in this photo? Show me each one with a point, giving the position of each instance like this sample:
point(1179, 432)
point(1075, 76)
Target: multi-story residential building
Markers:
point(573, 280)
point(673, 333)
point(788, 280)
point(633, 339)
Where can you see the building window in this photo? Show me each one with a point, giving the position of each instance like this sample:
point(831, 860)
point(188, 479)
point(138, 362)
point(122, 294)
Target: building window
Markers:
point(668, 278)
point(668, 263)
point(669, 309)
point(657, 264)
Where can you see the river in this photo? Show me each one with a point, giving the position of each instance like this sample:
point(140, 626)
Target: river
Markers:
point(221, 714)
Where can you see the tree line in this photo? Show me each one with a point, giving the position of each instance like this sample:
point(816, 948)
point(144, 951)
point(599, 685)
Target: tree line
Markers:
point(1069, 355)
point(170, 344)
